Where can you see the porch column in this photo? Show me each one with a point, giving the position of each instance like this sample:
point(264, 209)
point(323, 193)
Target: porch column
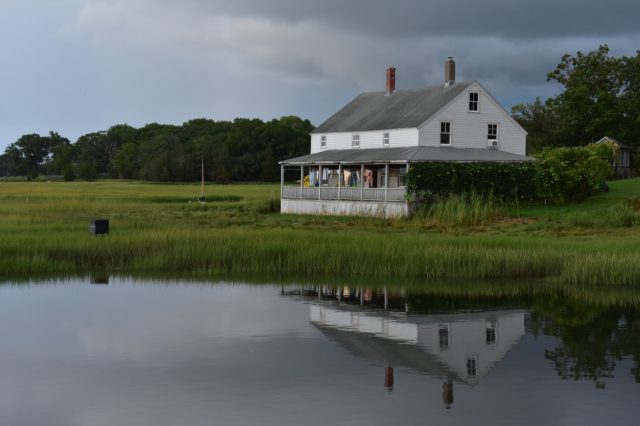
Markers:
point(361, 182)
point(386, 181)
point(386, 299)
point(319, 182)
point(405, 186)
point(281, 180)
point(339, 181)
point(301, 177)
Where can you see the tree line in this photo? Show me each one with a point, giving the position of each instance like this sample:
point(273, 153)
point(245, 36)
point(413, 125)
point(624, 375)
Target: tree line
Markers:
point(238, 150)
point(600, 96)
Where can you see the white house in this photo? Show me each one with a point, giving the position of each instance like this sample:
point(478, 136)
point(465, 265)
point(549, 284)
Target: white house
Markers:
point(360, 156)
point(461, 347)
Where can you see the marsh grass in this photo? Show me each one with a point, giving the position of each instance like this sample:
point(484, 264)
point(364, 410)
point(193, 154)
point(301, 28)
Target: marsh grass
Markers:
point(44, 230)
point(460, 210)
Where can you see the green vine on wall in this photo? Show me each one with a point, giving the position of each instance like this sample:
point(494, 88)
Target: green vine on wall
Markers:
point(556, 176)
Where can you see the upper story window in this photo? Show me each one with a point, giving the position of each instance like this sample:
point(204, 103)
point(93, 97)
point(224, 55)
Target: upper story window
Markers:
point(473, 101)
point(323, 142)
point(443, 337)
point(492, 135)
point(472, 366)
point(491, 332)
point(492, 131)
point(445, 133)
point(355, 141)
point(385, 139)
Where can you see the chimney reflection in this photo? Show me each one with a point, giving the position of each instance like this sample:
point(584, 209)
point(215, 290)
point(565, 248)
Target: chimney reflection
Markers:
point(388, 377)
point(457, 344)
point(447, 394)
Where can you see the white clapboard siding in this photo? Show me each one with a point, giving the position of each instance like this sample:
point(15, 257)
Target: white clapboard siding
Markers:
point(469, 129)
point(371, 139)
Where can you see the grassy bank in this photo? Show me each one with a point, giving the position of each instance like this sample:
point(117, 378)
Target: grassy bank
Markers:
point(44, 229)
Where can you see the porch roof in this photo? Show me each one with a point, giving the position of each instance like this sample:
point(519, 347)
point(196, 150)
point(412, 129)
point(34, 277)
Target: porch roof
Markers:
point(413, 154)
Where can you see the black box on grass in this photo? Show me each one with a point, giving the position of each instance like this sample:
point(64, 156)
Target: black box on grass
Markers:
point(99, 227)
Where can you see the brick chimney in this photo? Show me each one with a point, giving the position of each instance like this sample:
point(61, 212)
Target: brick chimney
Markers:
point(449, 72)
point(391, 80)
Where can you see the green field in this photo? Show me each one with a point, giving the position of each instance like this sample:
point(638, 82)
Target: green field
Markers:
point(155, 229)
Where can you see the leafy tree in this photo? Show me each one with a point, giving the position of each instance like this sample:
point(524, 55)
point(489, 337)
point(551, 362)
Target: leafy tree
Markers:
point(270, 170)
point(33, 150)
point(601, 96)
point(241, 150)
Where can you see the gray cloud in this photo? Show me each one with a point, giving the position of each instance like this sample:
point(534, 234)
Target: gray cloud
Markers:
point(82, 65)
point(411, 18)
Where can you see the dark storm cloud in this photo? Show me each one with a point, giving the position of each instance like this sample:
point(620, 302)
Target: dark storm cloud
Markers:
point(414, 18)
point(77, 66)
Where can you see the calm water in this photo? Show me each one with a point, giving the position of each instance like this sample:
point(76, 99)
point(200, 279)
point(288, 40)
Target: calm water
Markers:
point(145, 353)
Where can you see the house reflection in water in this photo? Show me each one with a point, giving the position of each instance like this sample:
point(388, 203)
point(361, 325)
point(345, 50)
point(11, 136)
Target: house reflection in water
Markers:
point(460, 347)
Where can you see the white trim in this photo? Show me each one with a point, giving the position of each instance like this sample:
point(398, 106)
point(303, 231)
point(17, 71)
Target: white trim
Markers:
point(491, 98)
point(450, 133)
point(447, 105)
point(497, 139)
point(497, 104)
point(477, 110)
point(355, 137)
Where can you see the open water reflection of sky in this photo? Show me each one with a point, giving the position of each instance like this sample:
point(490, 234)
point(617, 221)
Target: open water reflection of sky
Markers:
point(179, 353)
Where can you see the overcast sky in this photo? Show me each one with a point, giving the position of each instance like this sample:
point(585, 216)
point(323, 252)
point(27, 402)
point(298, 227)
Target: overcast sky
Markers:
point(76, 66)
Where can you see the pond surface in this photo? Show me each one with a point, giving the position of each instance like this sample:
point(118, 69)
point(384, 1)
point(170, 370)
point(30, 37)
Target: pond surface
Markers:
point(179, 353)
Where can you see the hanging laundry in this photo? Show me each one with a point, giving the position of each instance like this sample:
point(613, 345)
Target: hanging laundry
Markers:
point(347, 175)
point(368, 178)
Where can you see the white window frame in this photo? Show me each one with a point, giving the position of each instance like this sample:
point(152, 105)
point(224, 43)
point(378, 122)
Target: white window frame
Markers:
point(355, 141)
point(491, 329)
point(472, 366)
point(496, 136)
point(445, 123)
point(444, 346)
point(386, 139)
point(323, 142)
point(472, 102)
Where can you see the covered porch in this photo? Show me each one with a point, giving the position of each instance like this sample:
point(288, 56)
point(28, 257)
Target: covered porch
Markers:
point(365, 181)
point(348, 182)
point(345, 189)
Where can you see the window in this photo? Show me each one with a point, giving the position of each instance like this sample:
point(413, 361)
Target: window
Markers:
point(385, 139)
point(472, 366)
point(492, 132)
point(445, 133)
point(355, 141)
point(473, 101)
point(323, 142)
point(443, 337)
point(491, 332)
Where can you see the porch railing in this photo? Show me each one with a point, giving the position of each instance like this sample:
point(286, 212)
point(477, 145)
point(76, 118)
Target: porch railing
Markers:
point(395, 195)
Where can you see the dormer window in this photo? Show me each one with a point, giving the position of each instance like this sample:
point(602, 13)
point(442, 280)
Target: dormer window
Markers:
point(323, 142)
point(385, 139)
point(355, 141)
point(473, 101)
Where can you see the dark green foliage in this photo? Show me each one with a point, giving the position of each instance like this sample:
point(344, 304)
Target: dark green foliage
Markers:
point(241, 150)
point(558, 176)
point(507, 182)
point(600, 97)
point(627, 213)
point(571, 174)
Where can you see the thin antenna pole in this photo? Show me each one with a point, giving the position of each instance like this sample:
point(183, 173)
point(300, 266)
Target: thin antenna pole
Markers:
point(202, 185)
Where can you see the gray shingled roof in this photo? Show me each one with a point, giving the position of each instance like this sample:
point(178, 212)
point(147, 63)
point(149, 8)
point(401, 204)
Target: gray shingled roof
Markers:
point(414, 154)
point(402, 109)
